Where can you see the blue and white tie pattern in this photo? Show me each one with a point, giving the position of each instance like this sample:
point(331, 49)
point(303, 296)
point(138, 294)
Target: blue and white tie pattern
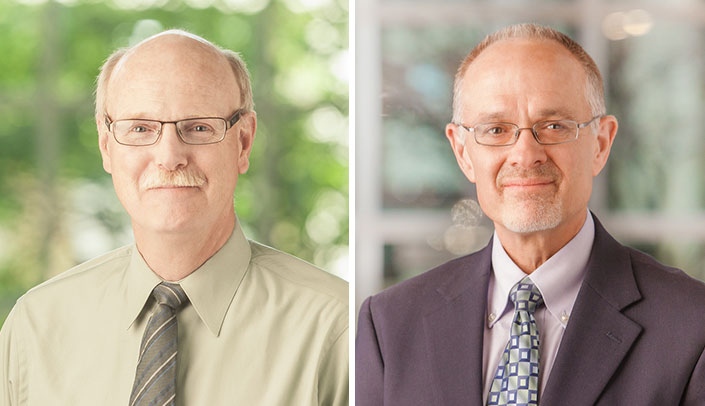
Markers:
point(516, 381)
point(155, 379)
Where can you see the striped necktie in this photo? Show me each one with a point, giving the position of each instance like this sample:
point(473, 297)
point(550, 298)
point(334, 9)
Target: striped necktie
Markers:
point(155, 379)
point(516, 381)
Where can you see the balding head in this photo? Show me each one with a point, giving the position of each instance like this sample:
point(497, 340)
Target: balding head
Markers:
point(593, 86)
point(170, 52)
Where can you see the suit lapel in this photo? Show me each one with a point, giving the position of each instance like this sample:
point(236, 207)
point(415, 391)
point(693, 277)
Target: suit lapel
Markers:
point(598, 335)
point(454, 331)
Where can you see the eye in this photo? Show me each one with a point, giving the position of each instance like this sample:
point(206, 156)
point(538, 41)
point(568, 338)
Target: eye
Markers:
point(141, 127)
point(495, 129)
point(554, 126)
point(200, 128)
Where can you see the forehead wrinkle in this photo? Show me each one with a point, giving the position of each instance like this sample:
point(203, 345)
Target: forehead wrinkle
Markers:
point(541, 115)
point(513, 107)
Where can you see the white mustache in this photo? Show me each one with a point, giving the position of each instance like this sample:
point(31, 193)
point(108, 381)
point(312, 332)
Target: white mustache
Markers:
point(177, 178)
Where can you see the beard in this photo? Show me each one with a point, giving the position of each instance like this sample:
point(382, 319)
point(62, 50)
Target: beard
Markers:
point(529, 213)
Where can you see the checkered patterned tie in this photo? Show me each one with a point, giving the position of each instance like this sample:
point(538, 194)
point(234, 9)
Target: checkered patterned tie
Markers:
point(516, 381)
point(155, 379)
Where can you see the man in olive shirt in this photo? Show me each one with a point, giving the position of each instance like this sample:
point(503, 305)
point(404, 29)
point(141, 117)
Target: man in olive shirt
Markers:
point(259, 327)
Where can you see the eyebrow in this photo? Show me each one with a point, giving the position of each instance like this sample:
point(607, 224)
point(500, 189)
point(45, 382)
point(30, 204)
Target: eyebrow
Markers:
point(556, 113)
point(491, 117)
point(150, 117)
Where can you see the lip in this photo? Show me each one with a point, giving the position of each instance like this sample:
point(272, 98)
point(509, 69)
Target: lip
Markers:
point(526, 183)
point(172, 187)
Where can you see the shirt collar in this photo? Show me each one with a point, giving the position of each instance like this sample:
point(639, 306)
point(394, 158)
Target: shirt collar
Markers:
point(210, 288)
point(558, 279)
point(139, 282)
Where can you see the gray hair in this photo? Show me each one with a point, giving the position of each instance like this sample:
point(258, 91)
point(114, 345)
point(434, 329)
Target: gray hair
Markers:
point(594, 87)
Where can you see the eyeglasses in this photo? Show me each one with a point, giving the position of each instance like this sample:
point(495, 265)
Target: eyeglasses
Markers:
point(192, 131)
point(549, 132)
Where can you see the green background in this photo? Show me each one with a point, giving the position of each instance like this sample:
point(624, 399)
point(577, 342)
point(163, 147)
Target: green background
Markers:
point(57, 205)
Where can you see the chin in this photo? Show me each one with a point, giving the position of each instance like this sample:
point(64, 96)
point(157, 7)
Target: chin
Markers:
point(168, 223)
point(532, 219)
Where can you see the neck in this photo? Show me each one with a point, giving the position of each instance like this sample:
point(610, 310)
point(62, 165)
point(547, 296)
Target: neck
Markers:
point(531, 250)
point(174, 256)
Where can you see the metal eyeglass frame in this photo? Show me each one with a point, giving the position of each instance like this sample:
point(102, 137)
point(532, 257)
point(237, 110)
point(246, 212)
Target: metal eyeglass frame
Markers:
point(229, 123)
point(518, 130)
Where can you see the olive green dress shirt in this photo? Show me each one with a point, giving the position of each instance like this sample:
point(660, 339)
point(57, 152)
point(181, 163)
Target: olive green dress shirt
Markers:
point(261, 328)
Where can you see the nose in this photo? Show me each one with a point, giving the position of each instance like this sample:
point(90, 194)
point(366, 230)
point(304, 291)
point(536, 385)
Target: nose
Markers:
point(527, 152)
point(170, 153)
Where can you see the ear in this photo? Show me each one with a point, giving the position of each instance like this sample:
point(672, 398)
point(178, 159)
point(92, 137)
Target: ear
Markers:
point(458, 137)
point(103, 140)
point(605, 138)
point(246, 137)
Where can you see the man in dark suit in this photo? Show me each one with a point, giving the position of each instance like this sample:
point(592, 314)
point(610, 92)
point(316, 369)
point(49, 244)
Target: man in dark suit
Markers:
point(597, 323)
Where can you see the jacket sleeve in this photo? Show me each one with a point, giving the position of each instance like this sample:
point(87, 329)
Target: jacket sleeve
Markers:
point(369, 363)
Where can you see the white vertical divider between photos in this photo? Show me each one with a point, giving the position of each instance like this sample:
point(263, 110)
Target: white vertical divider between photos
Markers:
point(369, 244)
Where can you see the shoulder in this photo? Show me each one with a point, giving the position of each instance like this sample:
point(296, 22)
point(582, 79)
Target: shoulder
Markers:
point(618, 271)
point(62, 300)
point(83, 277)
point(652, 290)
point(665, 283)
point(297, 274)
point(442, 283)
point(310, 298)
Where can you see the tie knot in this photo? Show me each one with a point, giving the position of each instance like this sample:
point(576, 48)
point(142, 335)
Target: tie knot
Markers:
point(526, 296)
point(170, 294)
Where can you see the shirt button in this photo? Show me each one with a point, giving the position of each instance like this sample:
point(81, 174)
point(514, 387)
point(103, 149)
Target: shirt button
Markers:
point(491, 317)
point(564, 317)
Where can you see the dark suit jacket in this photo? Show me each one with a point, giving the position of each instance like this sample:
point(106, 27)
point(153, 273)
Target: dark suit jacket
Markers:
point(636, 336)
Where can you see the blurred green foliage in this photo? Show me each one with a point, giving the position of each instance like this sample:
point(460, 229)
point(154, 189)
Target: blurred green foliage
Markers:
point(57, 207)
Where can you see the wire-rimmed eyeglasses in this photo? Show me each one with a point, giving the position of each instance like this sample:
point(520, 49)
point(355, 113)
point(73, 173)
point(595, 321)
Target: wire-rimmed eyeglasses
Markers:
point(549, 132)
point(192, 131)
